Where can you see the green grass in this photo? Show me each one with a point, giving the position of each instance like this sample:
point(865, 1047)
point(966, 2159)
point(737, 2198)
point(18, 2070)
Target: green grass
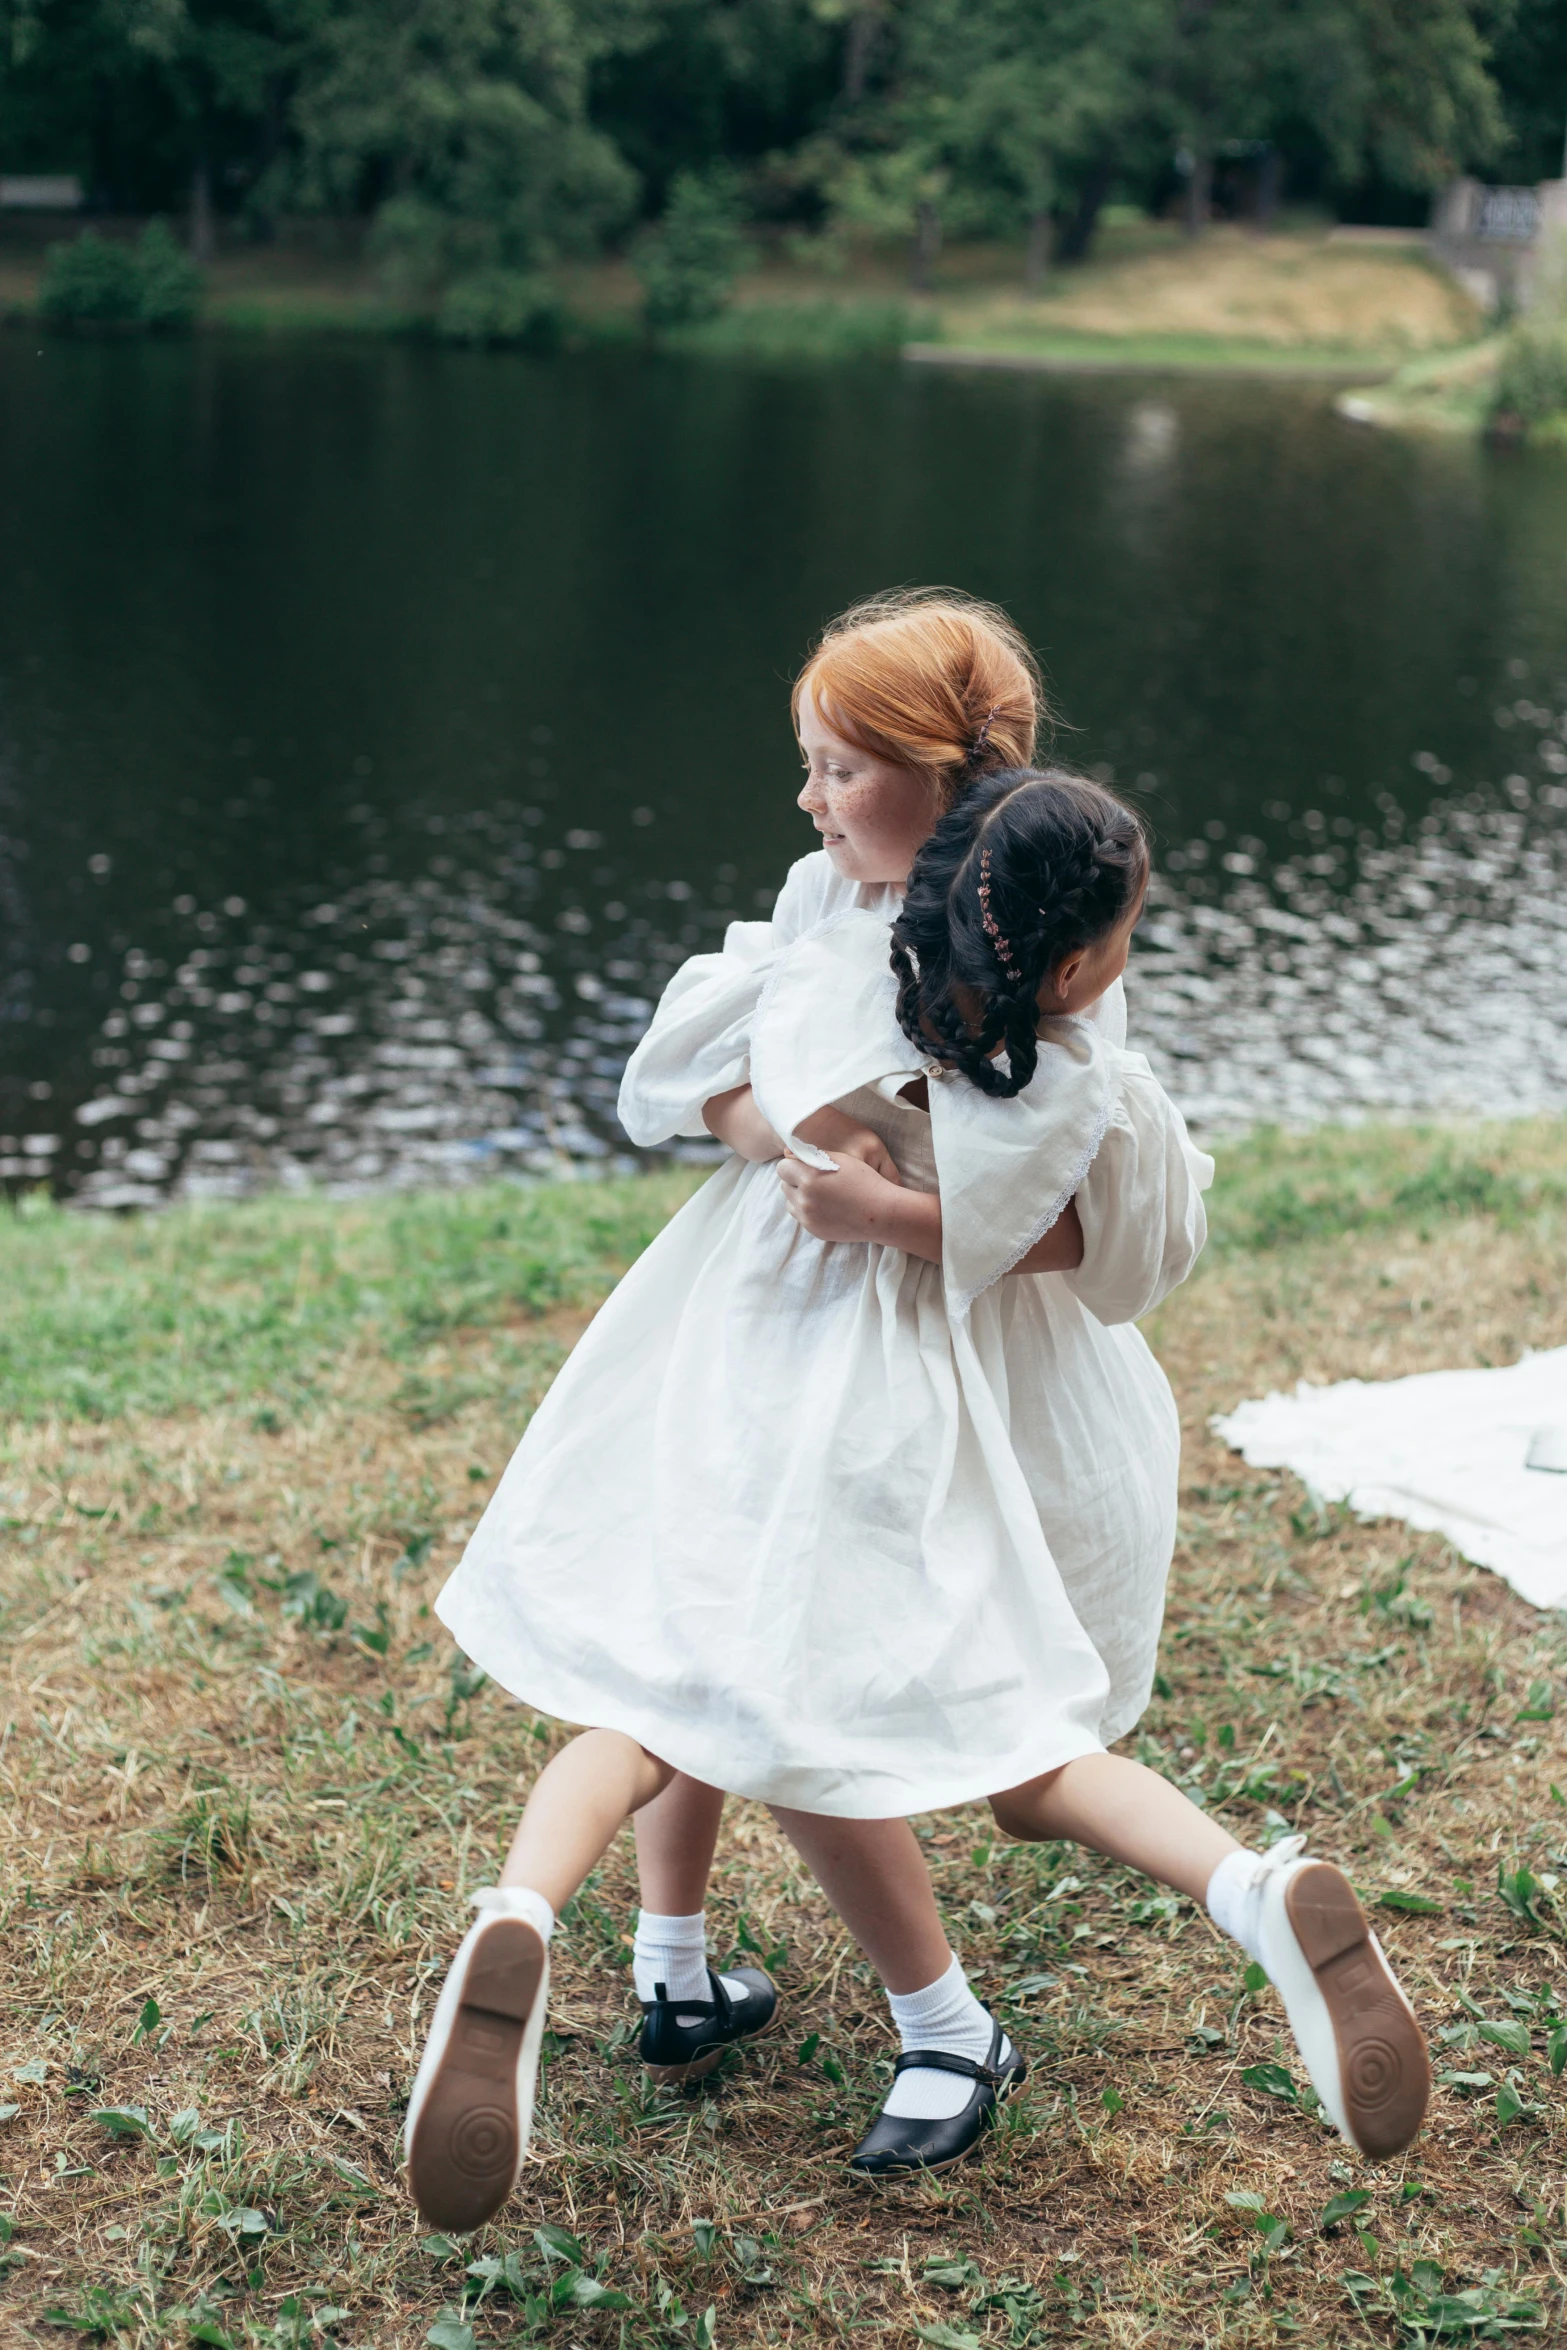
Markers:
point(1151, 353)
point(1441, 391)
point(1274, 1190)
point(863, 328)
point(259, 1302)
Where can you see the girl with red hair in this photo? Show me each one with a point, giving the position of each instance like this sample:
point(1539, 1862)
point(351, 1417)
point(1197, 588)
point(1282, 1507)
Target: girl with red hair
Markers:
point(858, 1496)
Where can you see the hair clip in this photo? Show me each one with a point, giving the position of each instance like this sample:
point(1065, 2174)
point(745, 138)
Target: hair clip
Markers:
point(975, 751)
point(1001, 946)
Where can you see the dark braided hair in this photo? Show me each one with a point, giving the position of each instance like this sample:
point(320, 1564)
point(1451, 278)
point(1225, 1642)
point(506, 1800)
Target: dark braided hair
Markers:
point(1026, 868)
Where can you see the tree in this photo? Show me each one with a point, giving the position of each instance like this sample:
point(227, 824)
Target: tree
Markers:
point(1402, 87)
point(145, 97)
point(1045, 99)
point(1529, 65)
point(463, 126)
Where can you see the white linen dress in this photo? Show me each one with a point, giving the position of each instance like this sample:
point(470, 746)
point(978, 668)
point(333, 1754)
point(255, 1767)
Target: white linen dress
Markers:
point(822, 1523)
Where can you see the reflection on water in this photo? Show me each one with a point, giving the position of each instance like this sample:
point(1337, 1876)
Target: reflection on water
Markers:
point(461, 1025)
point(377, 733)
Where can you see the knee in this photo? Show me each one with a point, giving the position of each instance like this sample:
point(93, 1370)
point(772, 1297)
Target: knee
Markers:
point(1020, 1811)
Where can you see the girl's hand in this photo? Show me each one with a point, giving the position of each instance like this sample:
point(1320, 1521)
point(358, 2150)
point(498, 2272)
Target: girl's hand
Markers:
point(845, 1138)
point(856, 1203)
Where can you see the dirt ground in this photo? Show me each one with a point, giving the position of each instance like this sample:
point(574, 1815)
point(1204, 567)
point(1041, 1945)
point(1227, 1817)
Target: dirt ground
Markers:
point(248, 1786)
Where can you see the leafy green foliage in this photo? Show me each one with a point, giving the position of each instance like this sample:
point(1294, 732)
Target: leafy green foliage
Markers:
point(1419, 2301)
point(478, 109)
point(169, 281)
point(499, 135)
point(502, 306)
point(93, 281)
point(865, 328)
point(90, 282)
point(689, 263)
point(1531, 379)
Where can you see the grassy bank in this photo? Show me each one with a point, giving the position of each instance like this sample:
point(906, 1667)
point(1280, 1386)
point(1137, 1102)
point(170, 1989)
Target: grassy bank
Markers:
point(247, 1786)
point(1444, 391)
point(1300, 300)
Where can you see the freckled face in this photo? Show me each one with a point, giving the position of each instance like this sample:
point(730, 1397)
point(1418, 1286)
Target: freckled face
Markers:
point(872, 816)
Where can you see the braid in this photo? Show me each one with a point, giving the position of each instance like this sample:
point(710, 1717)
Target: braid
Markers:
point(1023, 871)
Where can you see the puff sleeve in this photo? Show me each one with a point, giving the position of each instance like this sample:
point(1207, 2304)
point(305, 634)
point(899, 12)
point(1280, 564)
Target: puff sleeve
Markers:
point(698, 1042)
point(1140, 1204)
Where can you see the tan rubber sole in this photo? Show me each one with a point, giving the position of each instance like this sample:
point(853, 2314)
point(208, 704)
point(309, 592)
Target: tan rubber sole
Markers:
point(1383, 2065)
point(463, 2158)
point(671, 2076)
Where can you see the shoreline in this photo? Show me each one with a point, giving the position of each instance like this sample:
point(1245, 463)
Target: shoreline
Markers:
point(1304, 303)
point(1179, 359)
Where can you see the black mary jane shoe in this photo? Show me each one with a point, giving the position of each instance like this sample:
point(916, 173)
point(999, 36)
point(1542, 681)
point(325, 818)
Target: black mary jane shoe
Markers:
point(899, 2143)
point(684, 2038)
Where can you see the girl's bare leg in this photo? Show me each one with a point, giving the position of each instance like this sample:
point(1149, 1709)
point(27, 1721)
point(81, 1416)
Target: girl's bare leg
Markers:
point(471, 2107)
point(677, 1835)
point(1297, 1918)
point(1121, 1808)
point(577, 1807)
point(874, 1874)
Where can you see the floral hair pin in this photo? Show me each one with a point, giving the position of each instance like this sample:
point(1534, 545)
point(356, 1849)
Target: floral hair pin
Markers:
point(976, 750)
point(1002, 947)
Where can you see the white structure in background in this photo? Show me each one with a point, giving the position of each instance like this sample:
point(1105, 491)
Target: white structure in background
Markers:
point(40, 191)
point(1492, 238)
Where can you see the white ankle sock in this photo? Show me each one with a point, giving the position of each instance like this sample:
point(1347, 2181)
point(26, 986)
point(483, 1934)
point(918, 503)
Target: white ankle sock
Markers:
point(945, 2015)
point(671, 1951)
point(516, 1901)
point(1230, 1900)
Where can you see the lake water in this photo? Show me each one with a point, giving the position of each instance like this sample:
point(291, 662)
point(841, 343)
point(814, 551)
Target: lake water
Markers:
point(379, 726)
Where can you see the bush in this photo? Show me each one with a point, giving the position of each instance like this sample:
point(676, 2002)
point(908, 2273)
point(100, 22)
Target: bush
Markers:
point(1531, 380)
point(170, 280)
point(811, 330)
point(409, 244)
point(92, 282)
point(502, 306)
point(689, 263)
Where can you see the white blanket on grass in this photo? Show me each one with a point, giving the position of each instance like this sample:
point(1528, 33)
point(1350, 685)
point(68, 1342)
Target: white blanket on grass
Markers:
point(1446, 1451)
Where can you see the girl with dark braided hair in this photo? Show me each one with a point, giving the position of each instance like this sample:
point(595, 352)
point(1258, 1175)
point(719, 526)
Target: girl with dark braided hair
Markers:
point(1022, 900)
point(858, 1496)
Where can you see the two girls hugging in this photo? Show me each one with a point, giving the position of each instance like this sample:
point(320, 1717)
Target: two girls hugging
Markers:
point(858, 1496)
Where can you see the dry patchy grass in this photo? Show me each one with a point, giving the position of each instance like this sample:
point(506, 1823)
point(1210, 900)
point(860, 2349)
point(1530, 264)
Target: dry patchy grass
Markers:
point(1286, 292)
point(248, 1788)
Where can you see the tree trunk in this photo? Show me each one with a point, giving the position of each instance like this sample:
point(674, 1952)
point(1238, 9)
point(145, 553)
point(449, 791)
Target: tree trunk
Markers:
point(1270, 174)
point(859, 51)
point(1078, 233)
point(927, 244)
point(203, 232)
point(1199, 195)
point(1037, 266)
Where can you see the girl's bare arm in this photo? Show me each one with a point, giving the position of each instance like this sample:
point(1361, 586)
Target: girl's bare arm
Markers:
point(856, 1203)
point(735, 1119)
